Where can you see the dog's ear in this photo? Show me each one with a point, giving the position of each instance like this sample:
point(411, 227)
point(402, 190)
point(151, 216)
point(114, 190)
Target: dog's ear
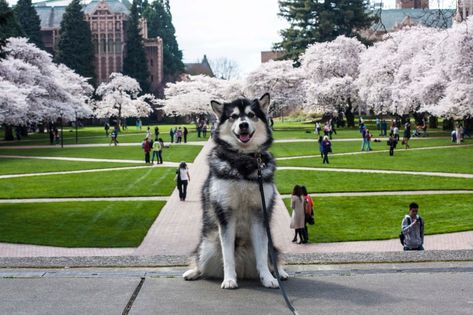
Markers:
point(217, 108)
point(264, 102)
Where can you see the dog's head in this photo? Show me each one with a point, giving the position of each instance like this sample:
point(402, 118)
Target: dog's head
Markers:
point(243, 124)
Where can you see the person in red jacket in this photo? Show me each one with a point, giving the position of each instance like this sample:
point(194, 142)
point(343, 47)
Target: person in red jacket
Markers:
point(147, 148)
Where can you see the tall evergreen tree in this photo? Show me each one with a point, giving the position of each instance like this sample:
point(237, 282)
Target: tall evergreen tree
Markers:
point(29, 21)
point(134, 63)
point(313, 21)
point(75, 48)
point(159, 18)
point(9, 27)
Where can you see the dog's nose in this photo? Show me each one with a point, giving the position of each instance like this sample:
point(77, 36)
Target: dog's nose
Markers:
point(244, 125)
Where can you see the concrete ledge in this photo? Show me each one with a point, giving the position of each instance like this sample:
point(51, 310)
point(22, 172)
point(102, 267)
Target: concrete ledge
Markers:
point(290, 259)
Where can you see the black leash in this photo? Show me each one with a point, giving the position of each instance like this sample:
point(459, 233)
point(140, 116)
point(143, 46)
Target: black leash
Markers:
point(270, 240)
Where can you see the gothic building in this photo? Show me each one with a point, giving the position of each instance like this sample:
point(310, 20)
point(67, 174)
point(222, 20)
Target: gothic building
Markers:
point(412, 4)
point(107, 20)
point(464, 9)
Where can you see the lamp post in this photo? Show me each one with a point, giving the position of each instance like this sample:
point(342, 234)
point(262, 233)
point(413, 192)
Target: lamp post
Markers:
point(62, 131)
point(76, 129)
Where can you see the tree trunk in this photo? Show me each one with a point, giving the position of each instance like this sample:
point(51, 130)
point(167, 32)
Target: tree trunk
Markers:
point(349, 114)
point(448, 124)
point(433, 122)
point(468, 123)
point(9, 133)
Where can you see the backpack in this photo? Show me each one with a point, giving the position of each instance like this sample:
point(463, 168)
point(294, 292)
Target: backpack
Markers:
point(402, 237)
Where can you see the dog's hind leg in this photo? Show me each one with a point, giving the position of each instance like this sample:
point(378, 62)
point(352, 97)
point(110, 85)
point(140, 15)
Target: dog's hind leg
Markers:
point(260, 245)
point(227, 241)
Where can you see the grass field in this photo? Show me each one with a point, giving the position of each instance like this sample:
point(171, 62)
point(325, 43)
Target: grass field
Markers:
point(175, 153)
point(23, 166)
point(455, 160)
point(78, 224)
point(97, 135)
point(340, 219)
point(140, 182)
point(124, 224)
point(325, 182)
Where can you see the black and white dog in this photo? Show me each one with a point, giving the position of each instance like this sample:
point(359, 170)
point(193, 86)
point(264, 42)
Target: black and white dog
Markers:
point(234, 241)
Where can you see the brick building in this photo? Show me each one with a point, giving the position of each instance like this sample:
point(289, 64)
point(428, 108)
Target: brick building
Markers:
point(107, 20)
point(464, 9)
point(412, 4)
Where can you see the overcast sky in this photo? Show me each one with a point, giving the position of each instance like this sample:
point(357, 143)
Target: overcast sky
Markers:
point(235, 29)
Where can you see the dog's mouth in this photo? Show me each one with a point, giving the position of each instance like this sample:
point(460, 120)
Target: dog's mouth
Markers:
point(244, 136)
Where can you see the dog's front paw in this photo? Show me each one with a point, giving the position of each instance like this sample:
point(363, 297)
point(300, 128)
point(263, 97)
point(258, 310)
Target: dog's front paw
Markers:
point(283, 274)
point(229, 284)
point(192, 274)
point(269, 282)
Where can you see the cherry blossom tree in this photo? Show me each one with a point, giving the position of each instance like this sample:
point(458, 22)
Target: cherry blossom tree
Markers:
point(45, 91)
point(119, 98)
point(192, 96)
point(331, 69)
point(282, 81)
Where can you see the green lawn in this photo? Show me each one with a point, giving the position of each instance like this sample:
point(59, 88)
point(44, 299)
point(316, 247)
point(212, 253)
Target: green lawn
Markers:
point(455, 160)
point(317, 181)
point(78, 224)
point(340, 219)
point(97, 135)
point(175, 153)
point(23, 166)
point(312, 148)
point(140, 182)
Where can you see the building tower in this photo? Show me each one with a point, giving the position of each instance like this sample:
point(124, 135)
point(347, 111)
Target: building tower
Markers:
point(412, 4)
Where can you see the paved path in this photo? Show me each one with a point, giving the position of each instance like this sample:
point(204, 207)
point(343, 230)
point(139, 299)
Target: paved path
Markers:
point(348, 139)
point(46, 200)
point(354, 170)
point(58, 158)
point(166, 164)
point(372, 152)
point(95, 145)
point(387, 193)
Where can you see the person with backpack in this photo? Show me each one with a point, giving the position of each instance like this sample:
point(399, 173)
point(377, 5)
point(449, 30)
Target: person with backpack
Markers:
point(412, 233)
point(157, 152)
point(326, 148)
point(298, 216)
point(309, 212)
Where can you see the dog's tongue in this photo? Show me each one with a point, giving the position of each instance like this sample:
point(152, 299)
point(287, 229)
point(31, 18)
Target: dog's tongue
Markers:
point(244, 137)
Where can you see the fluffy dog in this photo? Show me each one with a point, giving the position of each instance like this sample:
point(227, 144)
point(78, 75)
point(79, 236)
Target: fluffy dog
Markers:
point(234, 240)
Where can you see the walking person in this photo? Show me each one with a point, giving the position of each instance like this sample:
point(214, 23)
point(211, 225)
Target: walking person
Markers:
point(160, 151)
point(317, 128)
point(107, 128)
point(298, 216)
point(204, 130)
point(368, 139)
point(309, 211)
point(182, 179)
point(156, 132)
point(384, 127)
point(171, 134)
point(113, 137)
point(156, 151)
point(412, 227)
point(327, 148)
point(146, 145)
point(364, 141)
point(321, 147)
point(179, 135)
point(185, 132)
point(407, 135)
point(392, 144)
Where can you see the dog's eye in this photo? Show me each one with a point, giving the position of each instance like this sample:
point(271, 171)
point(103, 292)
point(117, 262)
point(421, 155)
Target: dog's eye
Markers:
point(234, 116)
point(250, 115)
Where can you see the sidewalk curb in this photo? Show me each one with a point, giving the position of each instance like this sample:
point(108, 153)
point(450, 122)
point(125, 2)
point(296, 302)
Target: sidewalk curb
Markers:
point(290, 259)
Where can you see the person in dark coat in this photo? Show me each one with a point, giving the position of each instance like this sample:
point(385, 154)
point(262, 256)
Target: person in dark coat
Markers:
point(326, 147)
point(185, 134)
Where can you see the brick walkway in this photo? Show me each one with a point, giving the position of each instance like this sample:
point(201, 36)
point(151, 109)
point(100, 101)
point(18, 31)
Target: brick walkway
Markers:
point(176, 231)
